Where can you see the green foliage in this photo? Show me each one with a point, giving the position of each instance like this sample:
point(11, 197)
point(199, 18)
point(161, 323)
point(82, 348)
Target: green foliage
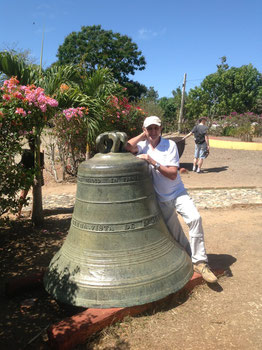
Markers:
point(94, 47)
point(134, 90)
point(171, 107)
point(24, 111)
point(123, 116)
point(151, 94)
point(244, 126)
point(14, 65)
point(227, 90)
point(97, 105)
point(13, 176)
point(151, 107)
point(223, 66)
point(70, 129)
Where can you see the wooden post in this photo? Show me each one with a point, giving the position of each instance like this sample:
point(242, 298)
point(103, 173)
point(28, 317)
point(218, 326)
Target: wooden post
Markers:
point(182, 105)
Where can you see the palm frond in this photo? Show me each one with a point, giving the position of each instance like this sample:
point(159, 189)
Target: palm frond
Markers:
point(13, 65)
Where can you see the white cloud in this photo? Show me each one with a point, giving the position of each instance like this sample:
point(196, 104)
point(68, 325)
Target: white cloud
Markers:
point(145, 34)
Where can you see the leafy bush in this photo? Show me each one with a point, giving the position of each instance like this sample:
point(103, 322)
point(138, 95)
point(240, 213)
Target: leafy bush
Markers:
point(72, 126)
point(122, 116)
point(244, 126)
point(24, 111)
point(70, 129)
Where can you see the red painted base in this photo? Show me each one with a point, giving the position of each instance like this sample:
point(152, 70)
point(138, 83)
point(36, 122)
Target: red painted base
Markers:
point(76, 329)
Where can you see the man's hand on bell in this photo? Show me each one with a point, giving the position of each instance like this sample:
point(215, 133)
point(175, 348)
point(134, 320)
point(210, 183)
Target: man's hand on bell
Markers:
point(145, 157)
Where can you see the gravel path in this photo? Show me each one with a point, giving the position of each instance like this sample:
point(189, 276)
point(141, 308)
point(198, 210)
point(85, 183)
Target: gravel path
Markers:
point(204, 198)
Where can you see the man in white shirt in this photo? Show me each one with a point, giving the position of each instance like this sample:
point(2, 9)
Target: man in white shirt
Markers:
point(163, 159)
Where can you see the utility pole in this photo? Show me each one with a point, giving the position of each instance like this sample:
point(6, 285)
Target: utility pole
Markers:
point(182, 105)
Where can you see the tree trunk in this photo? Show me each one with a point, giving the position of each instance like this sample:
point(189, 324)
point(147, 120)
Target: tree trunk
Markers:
point(37, 210)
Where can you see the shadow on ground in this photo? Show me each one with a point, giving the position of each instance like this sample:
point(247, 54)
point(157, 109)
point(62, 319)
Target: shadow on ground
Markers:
point(215, 170)
point(189, 167)
point(221, 262)
point(57, 211)
point(217, 262)
point(26, 250)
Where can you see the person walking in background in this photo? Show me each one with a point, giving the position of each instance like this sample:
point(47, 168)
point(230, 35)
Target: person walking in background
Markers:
point(201, 143)
point(163, 159)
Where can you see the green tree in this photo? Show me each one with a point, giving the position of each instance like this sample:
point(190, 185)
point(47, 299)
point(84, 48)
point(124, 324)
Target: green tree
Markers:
point(134, 90)
point(228, 90)
point(151, 107)
point(171, 107)
point(258, 106)
point(223, 65)
point(95, 47)
point(151, 94)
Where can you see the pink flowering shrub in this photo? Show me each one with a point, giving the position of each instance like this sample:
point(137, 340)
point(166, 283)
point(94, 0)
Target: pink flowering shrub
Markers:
point(76, 134)
point(24, 110)
point(70, 128)
point(122, 116)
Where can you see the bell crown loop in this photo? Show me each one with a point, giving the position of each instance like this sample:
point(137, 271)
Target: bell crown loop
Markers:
point(112, 141)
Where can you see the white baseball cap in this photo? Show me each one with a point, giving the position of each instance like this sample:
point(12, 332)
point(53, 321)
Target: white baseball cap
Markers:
point(151, 120)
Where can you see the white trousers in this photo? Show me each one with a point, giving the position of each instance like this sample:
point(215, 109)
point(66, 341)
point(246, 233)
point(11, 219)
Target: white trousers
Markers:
point(185, 206)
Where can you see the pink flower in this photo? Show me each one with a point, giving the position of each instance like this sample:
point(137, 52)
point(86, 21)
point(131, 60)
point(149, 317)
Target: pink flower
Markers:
point(73, 112)
point(6, 97)
point(18, 95)
point(20, 111)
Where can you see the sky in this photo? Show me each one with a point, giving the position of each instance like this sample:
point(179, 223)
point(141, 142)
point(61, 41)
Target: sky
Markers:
point(175, 37)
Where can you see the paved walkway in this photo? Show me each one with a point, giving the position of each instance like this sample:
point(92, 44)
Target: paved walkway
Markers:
point(211, 198)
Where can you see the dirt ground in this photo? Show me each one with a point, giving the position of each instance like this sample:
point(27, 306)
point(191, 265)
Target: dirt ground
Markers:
point(224, 316)
point(224, 168)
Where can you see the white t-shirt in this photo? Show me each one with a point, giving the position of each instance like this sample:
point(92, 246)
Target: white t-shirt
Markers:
point(166, 154)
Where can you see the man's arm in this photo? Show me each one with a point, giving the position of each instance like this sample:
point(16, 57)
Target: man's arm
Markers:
point(168, 171)
point(131, 145)
point(189, 134)
point(207, 141)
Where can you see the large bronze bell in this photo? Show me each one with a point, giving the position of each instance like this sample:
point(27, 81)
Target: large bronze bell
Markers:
point(118, 251)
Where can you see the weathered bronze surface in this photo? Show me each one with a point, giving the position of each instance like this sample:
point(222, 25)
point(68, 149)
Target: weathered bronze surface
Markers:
point(118, 251)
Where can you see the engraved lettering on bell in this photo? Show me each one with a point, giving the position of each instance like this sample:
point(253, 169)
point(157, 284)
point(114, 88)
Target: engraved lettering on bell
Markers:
point(118, 251)
point(108, 180)
point(116, 227)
